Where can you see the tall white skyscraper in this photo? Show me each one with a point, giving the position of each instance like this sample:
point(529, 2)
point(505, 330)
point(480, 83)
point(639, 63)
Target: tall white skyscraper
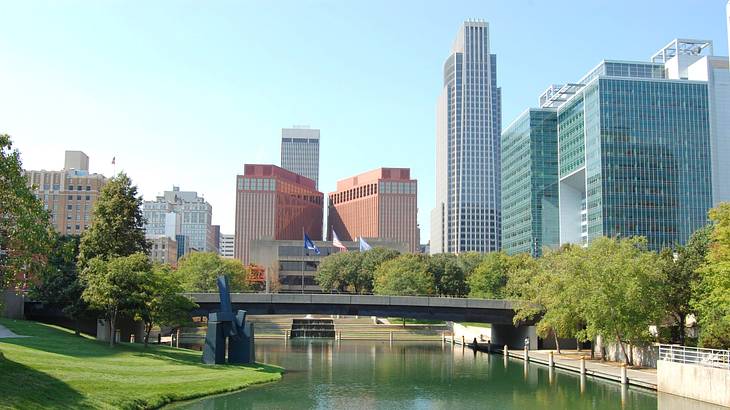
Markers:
point(300, 151)
point(468, 127)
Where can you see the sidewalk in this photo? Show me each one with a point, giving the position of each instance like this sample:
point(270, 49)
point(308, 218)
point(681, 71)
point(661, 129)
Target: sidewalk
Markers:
point(5, 332)
point(570, 360)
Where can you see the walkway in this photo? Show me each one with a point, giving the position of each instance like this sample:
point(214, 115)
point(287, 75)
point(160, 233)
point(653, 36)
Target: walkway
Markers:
point(5, 332)
point(570, 360)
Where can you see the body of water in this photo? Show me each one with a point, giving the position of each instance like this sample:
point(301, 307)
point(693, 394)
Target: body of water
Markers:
point(324, 374)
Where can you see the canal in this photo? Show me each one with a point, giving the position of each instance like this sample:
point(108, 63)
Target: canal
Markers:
point(324, 374)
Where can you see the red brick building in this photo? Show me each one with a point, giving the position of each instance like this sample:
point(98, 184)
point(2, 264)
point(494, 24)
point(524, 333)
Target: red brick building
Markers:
point(273, 203)
point(381, 203)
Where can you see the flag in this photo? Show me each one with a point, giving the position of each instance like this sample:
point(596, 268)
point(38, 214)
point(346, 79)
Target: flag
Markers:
point(308, 244)
point(336, 242)
point(364, 246)
point(114, 160)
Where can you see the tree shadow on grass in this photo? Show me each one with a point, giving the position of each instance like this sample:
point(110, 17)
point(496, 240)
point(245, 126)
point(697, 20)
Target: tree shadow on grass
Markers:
point(23, 387)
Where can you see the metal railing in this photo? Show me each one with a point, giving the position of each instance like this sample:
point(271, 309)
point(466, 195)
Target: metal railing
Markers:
point(695, 355)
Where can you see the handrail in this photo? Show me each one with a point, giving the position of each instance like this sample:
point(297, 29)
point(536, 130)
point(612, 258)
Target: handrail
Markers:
point(695, 355)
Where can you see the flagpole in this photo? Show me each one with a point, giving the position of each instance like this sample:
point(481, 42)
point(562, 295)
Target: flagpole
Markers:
point(303, 260)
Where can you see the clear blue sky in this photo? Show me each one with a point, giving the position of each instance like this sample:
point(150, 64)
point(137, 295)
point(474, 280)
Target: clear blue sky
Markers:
point(186, 92)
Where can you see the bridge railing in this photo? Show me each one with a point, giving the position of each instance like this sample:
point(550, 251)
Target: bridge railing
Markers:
point(695, 355)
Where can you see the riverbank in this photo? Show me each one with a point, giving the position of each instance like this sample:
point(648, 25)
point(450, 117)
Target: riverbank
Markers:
point(52, 368)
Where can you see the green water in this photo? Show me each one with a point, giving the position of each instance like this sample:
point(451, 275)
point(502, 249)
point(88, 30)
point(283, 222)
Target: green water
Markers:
point(377, 375)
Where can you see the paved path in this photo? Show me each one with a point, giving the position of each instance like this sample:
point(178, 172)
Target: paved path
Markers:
point(5, 332)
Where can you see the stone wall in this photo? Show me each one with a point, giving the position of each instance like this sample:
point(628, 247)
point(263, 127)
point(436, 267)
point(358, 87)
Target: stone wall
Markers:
point(707, 384)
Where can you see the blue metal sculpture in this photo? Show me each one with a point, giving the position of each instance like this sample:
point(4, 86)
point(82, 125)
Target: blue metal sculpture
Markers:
point(225, 325)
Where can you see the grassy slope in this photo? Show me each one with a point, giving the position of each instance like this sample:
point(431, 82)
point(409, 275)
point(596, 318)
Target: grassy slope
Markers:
point(55, 369)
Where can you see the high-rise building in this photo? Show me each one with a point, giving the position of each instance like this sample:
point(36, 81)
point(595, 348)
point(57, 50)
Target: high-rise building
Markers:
point(226, 245)
point(530, 183)
point(635, 154)
point(181, 213)
point(69, 195)
point(273, 203)
point(468, 125)
point(381, 204)
point(300, 152)
point(163, 250)
point(216, 233)
point(693, 60)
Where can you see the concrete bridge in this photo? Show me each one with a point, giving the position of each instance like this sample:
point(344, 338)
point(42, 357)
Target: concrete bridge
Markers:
point(499, 313)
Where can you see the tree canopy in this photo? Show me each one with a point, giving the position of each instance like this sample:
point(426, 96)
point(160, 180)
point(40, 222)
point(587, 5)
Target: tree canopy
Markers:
point(405, 275)
point(25, 229)
point(116, 223)
point(711, 299)
point(199, 271)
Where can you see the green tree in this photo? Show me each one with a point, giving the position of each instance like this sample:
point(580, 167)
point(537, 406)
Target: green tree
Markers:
point(116, 223)
point(25, 230)
point(712, 292)
point(489, 278)
point(370, 261)
point(546, 290)
point(681, 274)
point(340, 272)
point(59, 285)
point(406, 275)
point(199, 271)
point(117, 286)
point(448, 275)
point(468, 261)
point(618, 291)
point(163, 305)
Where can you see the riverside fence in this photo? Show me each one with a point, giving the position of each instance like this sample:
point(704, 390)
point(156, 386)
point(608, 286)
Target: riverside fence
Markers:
point(694, 355)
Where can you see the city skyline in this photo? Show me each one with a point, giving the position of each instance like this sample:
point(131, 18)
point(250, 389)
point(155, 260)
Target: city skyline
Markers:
point(76, 109)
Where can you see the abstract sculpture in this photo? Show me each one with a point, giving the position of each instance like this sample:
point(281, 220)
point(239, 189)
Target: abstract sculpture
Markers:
point(225, 325)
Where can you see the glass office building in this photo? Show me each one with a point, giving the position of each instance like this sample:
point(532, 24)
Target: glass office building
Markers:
point(468, 125)
point(634, 155)
point(300, 152)
point(530, 183)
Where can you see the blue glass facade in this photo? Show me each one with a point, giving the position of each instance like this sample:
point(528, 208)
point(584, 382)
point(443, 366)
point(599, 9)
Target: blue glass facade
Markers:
point(530, 218)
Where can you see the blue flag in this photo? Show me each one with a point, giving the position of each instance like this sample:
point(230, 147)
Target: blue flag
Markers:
point(364, 246)
point(308, 244)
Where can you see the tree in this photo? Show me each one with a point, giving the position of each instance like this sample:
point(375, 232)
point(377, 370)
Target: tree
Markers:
point(199, 271)
point(680, 271)
point(712, 291)
point(489, 278)
point(468, 261)
point(448, 275)
point(340, 272)
point(370, 261)
point(406, 275)
point(545, 290)
point(59, 285)
point(164, 305)
point(25, 230)
point(618, 290)
point(116, 223)
point(117, 286)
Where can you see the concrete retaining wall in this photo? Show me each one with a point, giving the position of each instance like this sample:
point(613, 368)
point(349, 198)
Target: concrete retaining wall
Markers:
point(696, 382)
point(12, 305)
point(644, 356)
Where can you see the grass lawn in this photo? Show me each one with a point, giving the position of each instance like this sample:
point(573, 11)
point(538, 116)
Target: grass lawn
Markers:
point(399, 321)
point(55, 369)
point(475, 324)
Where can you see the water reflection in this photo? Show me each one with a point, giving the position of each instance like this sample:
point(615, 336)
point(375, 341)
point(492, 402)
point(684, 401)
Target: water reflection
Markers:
point(373, 375)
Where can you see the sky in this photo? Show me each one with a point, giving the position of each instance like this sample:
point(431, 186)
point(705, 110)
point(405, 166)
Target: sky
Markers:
point(186, 92)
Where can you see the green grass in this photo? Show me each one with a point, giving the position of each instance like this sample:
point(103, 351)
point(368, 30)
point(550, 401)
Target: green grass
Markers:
point(475, 324)
point(55, 369)
point(399, 321)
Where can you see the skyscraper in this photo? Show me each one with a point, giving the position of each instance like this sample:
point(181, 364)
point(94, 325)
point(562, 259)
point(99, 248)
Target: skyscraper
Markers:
point(530, 183)
point(69, 195)
point(381, 203)
point(273, 203)
point(468, 126)
point(300, 152)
